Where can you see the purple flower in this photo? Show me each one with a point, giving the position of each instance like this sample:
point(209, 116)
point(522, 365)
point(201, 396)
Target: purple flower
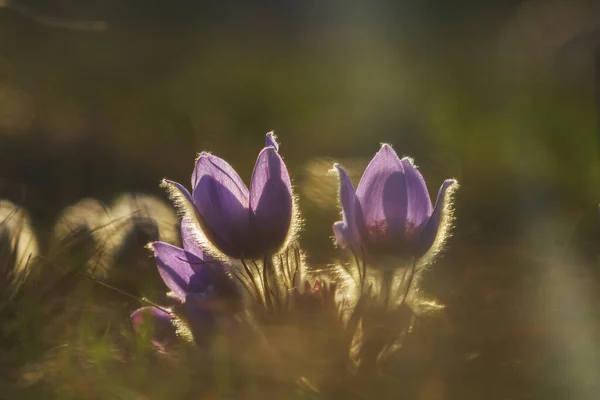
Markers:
point(390, 212)
point(197, 283)
point(157, 322)
point(241, 222)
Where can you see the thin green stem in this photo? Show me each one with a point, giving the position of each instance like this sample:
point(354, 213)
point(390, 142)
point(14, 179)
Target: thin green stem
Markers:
point(123, 292)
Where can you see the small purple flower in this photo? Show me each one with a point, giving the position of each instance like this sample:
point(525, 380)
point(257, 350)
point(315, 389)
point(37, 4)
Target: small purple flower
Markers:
point(390, 212)
point(241, 222)
point(197, 283)
point(157, 322)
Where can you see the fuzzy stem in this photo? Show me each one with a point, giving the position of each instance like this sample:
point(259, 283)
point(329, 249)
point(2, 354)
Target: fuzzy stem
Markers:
point(410, 281)
point(386, 286)
point(251, 277)
point(268, 300)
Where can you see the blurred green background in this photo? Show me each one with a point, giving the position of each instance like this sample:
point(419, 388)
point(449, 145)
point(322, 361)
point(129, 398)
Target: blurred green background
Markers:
point(103, 97)
point(501, 95)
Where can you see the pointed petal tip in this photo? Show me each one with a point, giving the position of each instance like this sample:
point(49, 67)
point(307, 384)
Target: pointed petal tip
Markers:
point(271, 140)
point(341, 171)
point(169, 184)
point(387, 150)
point(408, 161)
point(387, 147)
point(449, 184)
point(334, 170)
point(203, 154)
point(157, 245)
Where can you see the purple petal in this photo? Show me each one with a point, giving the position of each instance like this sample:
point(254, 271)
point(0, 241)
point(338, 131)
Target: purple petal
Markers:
point(179, 191)
point(221, 199)
point(183, 198)
point(430, 231)
point(271, 141)
point(187, 239)
point(419, 207)
point(349, 209)
point(175, 267)
point(208, 164)
point(270, 201)
point(157, 321)
point(383, 198)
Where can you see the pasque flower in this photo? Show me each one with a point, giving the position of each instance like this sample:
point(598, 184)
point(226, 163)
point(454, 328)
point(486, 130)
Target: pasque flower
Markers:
point(241, 222)
point(390, 212)
point(199, 285)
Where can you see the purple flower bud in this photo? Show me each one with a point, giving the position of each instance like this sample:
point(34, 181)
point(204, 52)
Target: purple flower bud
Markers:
point(390, 212)
point(157, 322)
point(241, 222)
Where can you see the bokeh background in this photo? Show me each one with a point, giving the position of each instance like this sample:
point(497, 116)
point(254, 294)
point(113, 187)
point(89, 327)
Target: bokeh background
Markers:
point(100, 98)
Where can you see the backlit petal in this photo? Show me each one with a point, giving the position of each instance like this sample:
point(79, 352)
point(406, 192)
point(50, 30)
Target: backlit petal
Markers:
point(175, 267)
point(187, 239)
point(418, 203)
point(221, 199)
point(430, 231)
point(271, 141)
point(383, 198)
point(270, 201)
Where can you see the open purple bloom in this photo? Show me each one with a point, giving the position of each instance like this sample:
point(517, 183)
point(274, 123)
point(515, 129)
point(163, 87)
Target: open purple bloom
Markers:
point(390, 212)
point(242, 222)
point(196, 281)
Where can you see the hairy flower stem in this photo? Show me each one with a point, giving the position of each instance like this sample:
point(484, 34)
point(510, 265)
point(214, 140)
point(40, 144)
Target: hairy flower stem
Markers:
point(386, 286)
point(411, 277)
point(361, 268)
point(267, 263)
point(252, 280)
